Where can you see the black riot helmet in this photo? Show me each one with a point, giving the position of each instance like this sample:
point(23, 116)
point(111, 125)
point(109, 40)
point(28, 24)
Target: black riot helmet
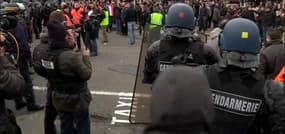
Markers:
point(12, 8)
point(180, 20)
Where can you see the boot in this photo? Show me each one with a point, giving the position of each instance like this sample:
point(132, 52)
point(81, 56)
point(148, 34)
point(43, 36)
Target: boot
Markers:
point(20, 104)
point(34, 107)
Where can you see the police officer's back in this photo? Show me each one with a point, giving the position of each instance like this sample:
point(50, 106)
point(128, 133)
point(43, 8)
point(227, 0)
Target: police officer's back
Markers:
point(177, 44)
point(239, 93)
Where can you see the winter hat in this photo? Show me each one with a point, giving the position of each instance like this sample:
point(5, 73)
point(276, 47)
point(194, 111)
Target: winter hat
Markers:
point(181, 102)
point(56, 30)
point(57, 33)
point(57, 15)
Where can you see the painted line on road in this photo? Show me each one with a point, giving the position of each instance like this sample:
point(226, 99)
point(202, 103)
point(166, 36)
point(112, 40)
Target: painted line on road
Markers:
point(107, 93)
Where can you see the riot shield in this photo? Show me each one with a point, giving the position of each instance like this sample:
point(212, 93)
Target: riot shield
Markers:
point(140, 109)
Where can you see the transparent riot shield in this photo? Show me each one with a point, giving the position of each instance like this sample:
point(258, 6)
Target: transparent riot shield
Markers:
point(140, 109)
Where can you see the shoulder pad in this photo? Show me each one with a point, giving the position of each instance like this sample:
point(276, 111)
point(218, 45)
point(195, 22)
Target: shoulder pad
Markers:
point(155, 45)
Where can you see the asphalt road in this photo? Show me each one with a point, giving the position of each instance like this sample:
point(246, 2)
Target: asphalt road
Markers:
point(112, 84)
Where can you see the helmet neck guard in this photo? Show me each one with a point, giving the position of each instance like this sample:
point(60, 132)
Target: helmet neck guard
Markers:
point(177, 32)
point(242, 60)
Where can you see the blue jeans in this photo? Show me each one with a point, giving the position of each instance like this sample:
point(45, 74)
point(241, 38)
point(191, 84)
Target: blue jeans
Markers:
point(118, 25)
point(131, 32)
point(93, 46)
point(74, 122)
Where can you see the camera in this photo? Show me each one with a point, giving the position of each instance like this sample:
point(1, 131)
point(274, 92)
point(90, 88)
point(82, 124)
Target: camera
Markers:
point(8, 22)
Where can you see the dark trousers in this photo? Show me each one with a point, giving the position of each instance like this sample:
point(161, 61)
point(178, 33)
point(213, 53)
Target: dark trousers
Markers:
point(216, 23)
point(37, 28)
point(111, 21)
point(50, 115)
point(119, 25)
point(75, 122)
point(93, 46)
point(203, 24)
point(30, 33)
point(91, 43)
point(24, 70)
point(81, 34)
point(125, 29)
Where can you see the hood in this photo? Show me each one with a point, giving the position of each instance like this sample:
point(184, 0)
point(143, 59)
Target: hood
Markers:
point(181, 102)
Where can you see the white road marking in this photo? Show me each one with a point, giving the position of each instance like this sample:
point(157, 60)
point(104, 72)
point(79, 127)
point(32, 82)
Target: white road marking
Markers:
point(122, 114)
point(107, 93)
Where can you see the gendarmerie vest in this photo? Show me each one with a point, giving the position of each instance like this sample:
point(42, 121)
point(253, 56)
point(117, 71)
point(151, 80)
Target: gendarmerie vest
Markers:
point(237, 96)
point(183, 52)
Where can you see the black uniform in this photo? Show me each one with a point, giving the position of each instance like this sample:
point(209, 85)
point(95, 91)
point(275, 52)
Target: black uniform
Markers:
point(163, 54)
point(12, 85)
point(36, 16)
point(242, 96)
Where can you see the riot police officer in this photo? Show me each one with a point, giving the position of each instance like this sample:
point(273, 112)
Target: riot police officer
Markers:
point(21, 34)
point(12, 85)
point(177, 44)
point(241, 95)
point(47, 8)
point(36, 17)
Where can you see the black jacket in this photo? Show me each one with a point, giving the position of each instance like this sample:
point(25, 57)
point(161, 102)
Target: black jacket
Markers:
point(143, 17)
point(39, 52)
point(131, 15)
point(272, 58)
point(240, 85)
point(152, 59)
point(92, 25)
point(74, 70)
point(118, 12)
point(12, 86)
point(248, 14)
point(268, 18)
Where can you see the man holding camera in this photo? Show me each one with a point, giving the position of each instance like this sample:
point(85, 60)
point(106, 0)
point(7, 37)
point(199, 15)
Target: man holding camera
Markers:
point(67, 73)
point(12, 85)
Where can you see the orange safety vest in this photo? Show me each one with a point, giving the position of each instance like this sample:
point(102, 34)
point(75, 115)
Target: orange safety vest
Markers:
point(281, 75)
point(77, 15)
point(68, 20)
